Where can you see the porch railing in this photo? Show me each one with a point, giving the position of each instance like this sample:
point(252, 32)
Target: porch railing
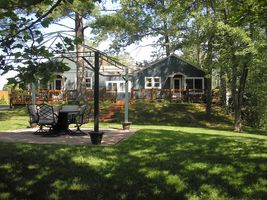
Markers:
point(152, 94)
point(22, 97)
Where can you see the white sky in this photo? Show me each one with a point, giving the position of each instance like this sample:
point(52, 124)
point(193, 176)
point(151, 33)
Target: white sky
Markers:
point(139, 52)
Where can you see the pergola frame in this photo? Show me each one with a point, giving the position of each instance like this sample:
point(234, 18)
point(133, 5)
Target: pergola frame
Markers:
point(97, 55)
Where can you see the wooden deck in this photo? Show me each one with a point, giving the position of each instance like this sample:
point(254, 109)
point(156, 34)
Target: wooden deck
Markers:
point(23, 97)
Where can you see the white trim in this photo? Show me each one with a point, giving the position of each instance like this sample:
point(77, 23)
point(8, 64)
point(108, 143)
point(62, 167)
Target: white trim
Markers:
point(175, 94)
point(91, 82)
point(194, 78)
point(52, 84)
point(178, 73)
point(118, 88)
point(180, 83)
point(153, 82)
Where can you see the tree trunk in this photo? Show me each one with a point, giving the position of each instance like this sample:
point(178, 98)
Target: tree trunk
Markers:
point(79, 32)
point(208, 98)
point(240, 96)
point(209, 77)
point(222, 88)
point(167, 44)
point(167, 39)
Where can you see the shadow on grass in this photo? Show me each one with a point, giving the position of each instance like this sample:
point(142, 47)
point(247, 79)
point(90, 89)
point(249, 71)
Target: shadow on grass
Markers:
point(153, 164)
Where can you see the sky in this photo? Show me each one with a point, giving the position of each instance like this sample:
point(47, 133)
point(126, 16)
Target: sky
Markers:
point(139, 52)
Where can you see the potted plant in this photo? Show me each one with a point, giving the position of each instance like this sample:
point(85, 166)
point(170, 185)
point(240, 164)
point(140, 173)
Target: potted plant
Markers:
point(126, 125)
point(96, 137)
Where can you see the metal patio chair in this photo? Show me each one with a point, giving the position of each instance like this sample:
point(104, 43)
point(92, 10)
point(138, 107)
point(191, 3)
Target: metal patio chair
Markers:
point(46, 117)
point(79, 119)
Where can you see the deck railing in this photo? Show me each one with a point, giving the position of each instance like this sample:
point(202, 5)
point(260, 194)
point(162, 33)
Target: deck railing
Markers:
point(22, 97)
point(152, 94)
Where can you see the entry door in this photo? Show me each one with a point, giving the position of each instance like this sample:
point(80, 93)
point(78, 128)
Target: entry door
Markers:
point(177, 83)
point(177, 86)
point(58, 84)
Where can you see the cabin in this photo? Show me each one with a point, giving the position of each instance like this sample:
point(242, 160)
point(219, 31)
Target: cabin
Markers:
point(167, 78)
point(171, 76)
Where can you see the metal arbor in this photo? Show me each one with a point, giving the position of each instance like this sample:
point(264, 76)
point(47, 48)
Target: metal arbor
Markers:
point(92, 58)
point(88, 55)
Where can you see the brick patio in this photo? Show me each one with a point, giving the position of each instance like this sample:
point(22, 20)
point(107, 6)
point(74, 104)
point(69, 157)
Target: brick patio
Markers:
point(110, 137)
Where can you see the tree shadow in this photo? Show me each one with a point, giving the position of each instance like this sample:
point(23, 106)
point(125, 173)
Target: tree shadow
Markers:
point(153, 164)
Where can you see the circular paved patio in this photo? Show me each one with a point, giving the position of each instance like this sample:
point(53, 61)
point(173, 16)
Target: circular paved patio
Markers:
point(110, 137)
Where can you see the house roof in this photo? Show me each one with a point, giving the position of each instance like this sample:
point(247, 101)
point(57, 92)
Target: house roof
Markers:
point(172, 55)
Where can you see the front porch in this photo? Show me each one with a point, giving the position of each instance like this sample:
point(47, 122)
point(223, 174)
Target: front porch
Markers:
point(184, 87)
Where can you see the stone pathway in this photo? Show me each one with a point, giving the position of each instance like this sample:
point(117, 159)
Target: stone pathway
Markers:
point(110, 137)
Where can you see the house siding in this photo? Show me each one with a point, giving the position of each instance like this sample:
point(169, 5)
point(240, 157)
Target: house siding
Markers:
point(165, 68)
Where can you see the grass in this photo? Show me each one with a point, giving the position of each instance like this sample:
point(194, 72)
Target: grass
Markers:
point(158, 162)
point(163, 162)
point(13, 119)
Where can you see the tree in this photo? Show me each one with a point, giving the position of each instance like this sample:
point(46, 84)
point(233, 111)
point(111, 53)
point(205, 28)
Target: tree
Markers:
point(225, 40)
point(20, 38)
point(136, 20)
point(23, 42)
point(78, 11)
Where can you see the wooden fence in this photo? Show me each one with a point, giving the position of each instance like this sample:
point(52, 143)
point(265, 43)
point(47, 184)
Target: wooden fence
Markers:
point(23, 97)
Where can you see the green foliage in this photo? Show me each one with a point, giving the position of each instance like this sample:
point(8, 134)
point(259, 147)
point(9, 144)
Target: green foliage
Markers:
point(24, 45)
point(34, 71)
point(137, 20)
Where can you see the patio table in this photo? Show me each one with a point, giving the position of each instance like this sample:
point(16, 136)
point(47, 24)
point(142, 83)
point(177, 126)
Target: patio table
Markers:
point(63, 120)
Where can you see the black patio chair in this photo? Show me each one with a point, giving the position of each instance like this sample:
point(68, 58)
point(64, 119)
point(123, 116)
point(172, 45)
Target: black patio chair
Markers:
point(46, 117)
point(79, 118)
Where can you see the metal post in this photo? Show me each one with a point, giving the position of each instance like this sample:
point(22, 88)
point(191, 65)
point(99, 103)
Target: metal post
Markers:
point(96, 93)
point(33, 94)
point(126, 112)
point(126, 124)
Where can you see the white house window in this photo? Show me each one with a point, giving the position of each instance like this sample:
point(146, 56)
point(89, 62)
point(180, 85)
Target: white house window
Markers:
point(111, 86)
point(152, 82)
point(195, 83)
point(190, 84)
point(118, 86)
point(88, 80)
point(56, 84)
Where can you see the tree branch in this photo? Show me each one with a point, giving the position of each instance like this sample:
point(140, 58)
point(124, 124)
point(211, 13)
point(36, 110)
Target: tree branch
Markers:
point(65, 26)
point(38, 20)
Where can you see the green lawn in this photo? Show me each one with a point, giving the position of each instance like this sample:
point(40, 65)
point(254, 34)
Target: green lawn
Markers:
point(13, 119)
point(158, 162)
